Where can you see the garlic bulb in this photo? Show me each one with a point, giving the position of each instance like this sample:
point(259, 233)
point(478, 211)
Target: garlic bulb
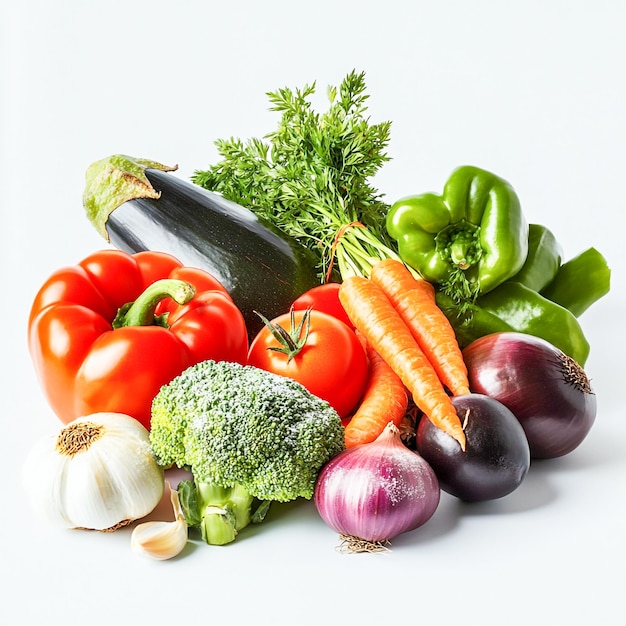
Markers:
point(97, 473)
point(162, 540)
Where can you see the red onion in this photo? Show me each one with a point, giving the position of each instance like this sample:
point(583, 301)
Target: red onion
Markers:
point(548, 392)
point(375, 491)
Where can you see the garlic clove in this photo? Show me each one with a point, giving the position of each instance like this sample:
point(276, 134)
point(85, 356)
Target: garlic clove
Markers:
point(162, 540)
point(159, 540)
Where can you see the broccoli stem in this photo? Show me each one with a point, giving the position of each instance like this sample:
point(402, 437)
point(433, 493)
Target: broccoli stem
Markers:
point(219, 512)
point(218, 526)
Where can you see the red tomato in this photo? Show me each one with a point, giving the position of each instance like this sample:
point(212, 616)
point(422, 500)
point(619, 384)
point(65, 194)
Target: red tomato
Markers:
point(323, 298)
point(331, 362)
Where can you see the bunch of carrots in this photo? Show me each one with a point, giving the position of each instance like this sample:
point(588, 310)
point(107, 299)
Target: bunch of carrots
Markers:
point(411, 347)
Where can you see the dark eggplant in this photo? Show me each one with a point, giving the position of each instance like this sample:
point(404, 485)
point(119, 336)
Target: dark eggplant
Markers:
point(263, 269)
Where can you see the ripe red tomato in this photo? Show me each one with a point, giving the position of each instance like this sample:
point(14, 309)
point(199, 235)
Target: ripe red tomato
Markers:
point(328, 359)
point(323, 298)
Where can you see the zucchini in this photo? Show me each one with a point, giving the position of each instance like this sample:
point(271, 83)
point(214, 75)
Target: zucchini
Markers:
point(137, 205)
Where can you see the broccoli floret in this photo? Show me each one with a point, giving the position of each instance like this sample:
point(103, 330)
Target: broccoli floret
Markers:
point(249, 437)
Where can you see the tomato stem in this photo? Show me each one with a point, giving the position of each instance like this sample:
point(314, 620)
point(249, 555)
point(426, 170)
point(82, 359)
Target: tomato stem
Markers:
point(141, 312)
point(293, 340)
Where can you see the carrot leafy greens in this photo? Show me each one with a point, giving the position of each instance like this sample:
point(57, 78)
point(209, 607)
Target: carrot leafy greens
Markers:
point(311, 176)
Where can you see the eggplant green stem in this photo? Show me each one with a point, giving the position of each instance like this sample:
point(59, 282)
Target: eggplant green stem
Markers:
point(141, 312)
point(112, 181)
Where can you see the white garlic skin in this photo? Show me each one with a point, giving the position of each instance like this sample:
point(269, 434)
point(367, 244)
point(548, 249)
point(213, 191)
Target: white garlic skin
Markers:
point(113, 481)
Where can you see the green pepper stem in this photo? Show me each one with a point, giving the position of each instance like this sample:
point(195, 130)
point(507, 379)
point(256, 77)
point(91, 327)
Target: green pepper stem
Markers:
point(459, 249)
point(141, 312)
point(459, 244)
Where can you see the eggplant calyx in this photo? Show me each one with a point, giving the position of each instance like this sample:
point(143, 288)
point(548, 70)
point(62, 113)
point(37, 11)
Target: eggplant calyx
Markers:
point(114, 180)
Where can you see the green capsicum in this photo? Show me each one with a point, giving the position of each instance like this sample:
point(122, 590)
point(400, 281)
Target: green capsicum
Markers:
point(543, 260)
point(469, 239)
point(579, 282)
point(513, 306)
point(472, 322)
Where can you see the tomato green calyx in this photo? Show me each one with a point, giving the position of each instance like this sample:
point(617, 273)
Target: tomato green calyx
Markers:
point(293, 340)
point(141, 312)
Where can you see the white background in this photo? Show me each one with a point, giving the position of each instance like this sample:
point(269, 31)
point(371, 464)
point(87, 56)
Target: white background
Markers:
point(533, 90)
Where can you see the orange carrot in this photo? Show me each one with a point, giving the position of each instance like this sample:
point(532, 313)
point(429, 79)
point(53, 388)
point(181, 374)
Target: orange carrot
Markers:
point(372, 313)
point(385, 400)
point(414, 300)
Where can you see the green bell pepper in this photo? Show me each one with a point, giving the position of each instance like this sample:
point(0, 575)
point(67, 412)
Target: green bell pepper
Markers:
point(469, 239)
point(530, 312)
point(543, 260)
point(471, 323)
point(513, 306)
point(580, 282)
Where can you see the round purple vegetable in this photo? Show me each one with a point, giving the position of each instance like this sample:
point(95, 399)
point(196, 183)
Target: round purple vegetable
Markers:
point(549, 393)
point(497, 456)
point(375, 491)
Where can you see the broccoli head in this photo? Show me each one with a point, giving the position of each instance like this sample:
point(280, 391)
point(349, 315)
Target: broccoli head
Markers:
point(249, 437)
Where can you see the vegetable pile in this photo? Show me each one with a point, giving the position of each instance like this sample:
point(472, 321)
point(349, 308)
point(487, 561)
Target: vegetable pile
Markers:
point(277, 331)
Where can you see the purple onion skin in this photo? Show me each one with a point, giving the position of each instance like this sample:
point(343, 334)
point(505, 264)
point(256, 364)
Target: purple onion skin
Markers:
point(376, 492)
point(548, 392)
point(496, 458)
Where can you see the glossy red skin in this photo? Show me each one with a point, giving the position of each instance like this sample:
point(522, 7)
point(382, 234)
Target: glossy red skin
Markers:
point(84, 366)
point(497, 456)
point(324, 298)
point(332, 365)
